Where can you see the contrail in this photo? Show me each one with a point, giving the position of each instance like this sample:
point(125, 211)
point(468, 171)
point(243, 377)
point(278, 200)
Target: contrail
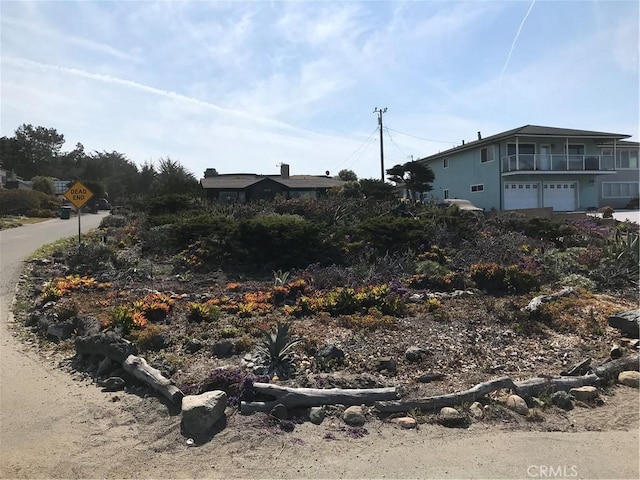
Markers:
point(23, 62)
point(513, 46)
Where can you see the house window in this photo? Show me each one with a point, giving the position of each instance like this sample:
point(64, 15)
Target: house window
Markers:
point(523, 149)
point(486, 154)
point(575, 149)
point(446, 193)
point(477, 188)
point(627, 159)
point(620, 189)
point(445, 163)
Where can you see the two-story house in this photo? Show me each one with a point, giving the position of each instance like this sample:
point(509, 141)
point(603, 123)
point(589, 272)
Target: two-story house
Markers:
point(621, 189)
point(528, 167)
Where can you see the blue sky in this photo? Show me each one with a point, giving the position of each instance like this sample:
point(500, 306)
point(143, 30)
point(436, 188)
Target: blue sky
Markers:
point(244, 86)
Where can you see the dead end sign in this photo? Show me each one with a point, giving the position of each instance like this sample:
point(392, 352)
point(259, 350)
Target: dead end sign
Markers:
point(78, 194)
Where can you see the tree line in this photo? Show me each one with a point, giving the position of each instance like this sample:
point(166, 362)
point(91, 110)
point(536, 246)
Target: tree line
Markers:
point(36, 154)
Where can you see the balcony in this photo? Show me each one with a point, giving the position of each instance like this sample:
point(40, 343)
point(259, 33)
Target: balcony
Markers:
point(558, 163)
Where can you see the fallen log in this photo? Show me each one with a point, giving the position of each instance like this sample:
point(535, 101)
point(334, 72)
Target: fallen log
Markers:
point(533, 387)
point(525, 388)
point(314, 397)
point(535, 303)
point(447, 400)
point(581, 368)
point(140, 369)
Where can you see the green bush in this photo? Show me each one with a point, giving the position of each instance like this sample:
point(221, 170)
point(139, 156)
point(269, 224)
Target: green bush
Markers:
point(388, 234)
point(21, 202)
point(88, 258)
point(489, 277)
point(113, 221)
point(520, 281)
point(281, 242)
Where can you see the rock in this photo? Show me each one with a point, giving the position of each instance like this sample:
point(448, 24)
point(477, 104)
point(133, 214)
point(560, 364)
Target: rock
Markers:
point(450, 417)
point(517, 404)
point(406, 422)
point(105, 365)
point(627, 322)
point(201, 412)
point(414, 354)
point(87, 325)
point(629, 378)
point(387, 363)
point(329, 353)
point(193, 345)
point(316, 415)
point(61, 331)
point(280, 412)
point(430, 377)
point(354, 416)
point(615, 353)
point(562, 399)
point(112, 384)
point(584, 394)
point(476, 410)
point(415, 298)
point(222, 349)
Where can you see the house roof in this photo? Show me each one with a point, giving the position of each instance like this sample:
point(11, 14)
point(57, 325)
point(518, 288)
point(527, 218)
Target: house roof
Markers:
point(621, 143)
point(532, 131)
point(235, 181)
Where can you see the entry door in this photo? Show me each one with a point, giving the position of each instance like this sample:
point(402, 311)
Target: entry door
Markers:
point(544, 159)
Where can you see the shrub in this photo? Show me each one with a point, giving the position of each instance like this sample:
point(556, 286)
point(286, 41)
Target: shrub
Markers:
point(146, 337)
point(19, 202)
point(124, 319)
point(113, 221)
point(607, 212)
point(89, 257)
point(489, 277)
point(520, 281)
point(579, 281)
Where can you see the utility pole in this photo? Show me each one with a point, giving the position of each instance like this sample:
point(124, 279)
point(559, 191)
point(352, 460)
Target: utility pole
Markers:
point(380, 111)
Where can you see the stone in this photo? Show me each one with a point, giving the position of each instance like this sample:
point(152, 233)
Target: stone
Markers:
point(193, 345)
point(354, 416)
point(584, 394)
point(517, 404)
point(430, 377)
point(415, 298)
point(105, 365)
point(406, 422)
point(387, 363)
point(280, 412)
point(615, 352)
point(476, 410)
point(222, 349)
point(562, 399)
point(450, 417)
point(414, 354)
point(628, 322)
point(316, 415)
point(61, 331)
point(328, 353)
point(629, 378)
point(201, 412)
point(113, 384)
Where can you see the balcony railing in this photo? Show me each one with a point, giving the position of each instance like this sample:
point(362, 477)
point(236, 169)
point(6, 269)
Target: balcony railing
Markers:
point(557, 163)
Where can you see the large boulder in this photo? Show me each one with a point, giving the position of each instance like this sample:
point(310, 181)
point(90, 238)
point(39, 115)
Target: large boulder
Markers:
point(627, 322)
point(201, 412)
point(517, 404)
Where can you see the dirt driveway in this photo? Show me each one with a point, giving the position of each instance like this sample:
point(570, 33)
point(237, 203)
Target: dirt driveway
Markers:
point(54, 424)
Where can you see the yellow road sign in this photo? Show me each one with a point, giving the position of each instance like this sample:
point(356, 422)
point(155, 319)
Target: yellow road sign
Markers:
point(78, 194)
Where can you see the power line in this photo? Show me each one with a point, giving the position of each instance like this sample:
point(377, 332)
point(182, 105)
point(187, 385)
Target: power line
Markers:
point(361, 146)
point(421, 138)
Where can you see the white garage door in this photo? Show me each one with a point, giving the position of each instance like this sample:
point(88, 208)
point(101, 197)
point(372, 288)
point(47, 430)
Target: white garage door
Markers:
point(559, 195)
point(521, 195)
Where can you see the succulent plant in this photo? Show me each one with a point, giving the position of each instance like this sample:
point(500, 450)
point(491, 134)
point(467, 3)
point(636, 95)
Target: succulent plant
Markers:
point(274, 352)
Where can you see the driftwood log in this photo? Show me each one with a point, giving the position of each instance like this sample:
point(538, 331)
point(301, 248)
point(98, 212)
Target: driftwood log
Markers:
point(525, 388)
point(535, 303)
point(116, 348)
point(314, 397)
point(140, 369)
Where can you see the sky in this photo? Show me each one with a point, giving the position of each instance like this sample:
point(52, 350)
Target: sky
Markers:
point(244, 86)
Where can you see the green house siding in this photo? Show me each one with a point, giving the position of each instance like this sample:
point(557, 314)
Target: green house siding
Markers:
point(465, 169)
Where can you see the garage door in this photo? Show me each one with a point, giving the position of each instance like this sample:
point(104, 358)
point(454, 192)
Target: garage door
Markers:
point(521, 195)
point(559, 195)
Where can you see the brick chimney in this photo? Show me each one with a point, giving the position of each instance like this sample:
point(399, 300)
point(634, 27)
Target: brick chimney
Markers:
point(284, 170)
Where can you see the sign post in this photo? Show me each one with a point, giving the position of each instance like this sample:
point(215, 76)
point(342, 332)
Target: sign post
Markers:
point(78, 194)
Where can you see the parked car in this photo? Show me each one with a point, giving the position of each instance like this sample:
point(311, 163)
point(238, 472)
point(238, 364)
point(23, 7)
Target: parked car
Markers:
point(102, 204)
point(461, 203)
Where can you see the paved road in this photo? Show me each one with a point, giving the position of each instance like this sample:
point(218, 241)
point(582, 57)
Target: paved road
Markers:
point(24, 379)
